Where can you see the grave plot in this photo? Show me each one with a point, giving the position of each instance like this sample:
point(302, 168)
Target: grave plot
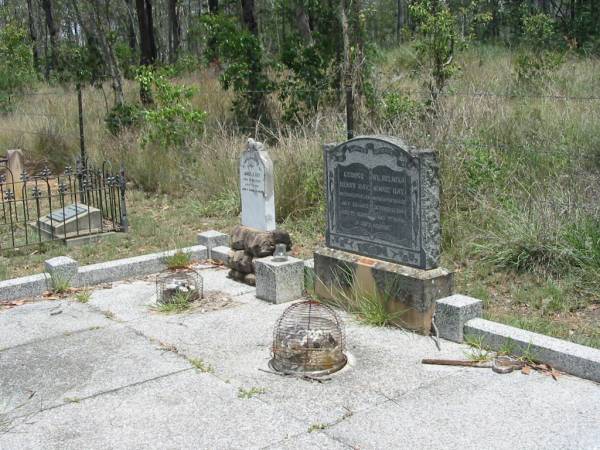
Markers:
point(42, 207)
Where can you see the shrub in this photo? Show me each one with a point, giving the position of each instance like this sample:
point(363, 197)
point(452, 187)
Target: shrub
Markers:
point(245, 70)
point(436, 44)
point(122, 116)
point(539, 54)
point(172, 119)
point(16, 63)
point(400, 107)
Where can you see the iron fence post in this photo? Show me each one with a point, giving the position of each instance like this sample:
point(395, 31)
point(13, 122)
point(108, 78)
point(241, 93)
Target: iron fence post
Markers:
point(122, 187)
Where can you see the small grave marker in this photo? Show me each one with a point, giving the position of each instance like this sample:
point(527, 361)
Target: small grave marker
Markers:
point(256, 186)
point(73, 220)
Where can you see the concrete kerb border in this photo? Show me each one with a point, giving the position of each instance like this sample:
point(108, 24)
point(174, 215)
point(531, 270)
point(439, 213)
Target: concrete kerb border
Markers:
point(458, 316)
point(105, 272)
point(568, 357)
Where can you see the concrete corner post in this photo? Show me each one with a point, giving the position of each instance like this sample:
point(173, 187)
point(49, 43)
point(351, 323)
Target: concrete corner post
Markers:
point(62, 268)
point(452, 313)
point(211, 239)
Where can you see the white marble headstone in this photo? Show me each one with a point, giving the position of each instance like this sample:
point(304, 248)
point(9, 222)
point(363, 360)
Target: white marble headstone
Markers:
point(256, 185)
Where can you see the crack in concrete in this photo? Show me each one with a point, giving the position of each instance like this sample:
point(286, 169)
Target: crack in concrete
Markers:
point(109, 391)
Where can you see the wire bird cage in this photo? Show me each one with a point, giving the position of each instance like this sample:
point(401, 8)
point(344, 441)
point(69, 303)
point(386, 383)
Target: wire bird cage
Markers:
point(180, 285)
point(308, 340)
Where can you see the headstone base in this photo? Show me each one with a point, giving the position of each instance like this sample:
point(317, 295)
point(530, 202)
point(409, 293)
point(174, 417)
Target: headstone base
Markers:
point(411, 292)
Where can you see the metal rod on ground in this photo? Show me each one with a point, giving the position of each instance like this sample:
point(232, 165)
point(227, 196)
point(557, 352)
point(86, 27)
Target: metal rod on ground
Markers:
point(455, 362)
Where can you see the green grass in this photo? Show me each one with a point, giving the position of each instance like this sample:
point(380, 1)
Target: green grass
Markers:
point(178, 303)
point(59, 284)
point(249, 393)
point(179, 260)
point(371, 308)
point(478, 350)
point(83, 296)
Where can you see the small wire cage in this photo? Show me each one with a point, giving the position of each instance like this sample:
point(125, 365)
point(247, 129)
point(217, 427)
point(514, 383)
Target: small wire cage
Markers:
point(180, 285)
point(308, 340)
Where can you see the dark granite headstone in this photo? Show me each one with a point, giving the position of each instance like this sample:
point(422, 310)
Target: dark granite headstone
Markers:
point(383, 200)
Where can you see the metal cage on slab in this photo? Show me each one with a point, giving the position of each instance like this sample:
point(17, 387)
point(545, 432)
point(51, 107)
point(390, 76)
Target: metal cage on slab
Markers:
point(308, 340)
point(179, 285)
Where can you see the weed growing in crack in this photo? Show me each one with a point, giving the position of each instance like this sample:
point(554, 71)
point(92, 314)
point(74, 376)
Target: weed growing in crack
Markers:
point(249, 393)
point(59, 284)
point(178, 303)
point(201, 365)
point(478, 351)
point(83, 296)
point(317, 426)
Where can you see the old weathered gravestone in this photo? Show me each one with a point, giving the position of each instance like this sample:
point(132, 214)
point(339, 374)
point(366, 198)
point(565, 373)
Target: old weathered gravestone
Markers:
point(15, 167)
point(383, 228)
point(256, 186)
point(383, 201)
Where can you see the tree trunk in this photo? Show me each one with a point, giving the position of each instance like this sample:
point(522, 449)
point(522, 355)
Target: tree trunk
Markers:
point(347, 69)
point(256, 98)
point(52, 32)
point(174, 31)
point(147, 41)
point(213, 51)
point(95, 28)
point(303, 23)
point(249, 17)
point(33, 36)
point(399, 20)
point(131, 37)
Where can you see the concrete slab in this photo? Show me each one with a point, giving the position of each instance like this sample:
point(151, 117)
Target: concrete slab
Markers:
point(125, 300)
point(70, 367)
point(479, 409)
point(110, 387)
point(312, 439)
point(215, 279)
point(188, 410)
point(46, 319)
point(236, 342)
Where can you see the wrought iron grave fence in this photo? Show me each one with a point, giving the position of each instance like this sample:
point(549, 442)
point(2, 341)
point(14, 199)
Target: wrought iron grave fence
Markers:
point(83, 201)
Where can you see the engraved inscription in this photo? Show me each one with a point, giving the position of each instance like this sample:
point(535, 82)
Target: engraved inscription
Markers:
point(391, 206)
point(253, 176)
point(373, 203)
point(354, 199)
